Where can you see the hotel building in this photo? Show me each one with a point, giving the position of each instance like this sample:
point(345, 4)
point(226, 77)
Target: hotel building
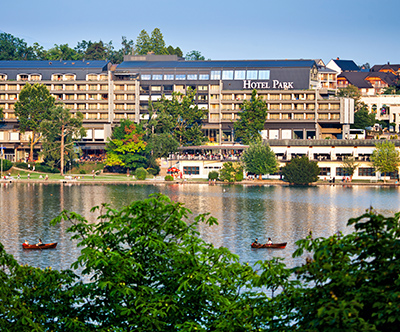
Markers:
point(300, 106)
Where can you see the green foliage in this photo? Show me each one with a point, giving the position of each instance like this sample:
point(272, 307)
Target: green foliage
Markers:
point(213, 175)
point(60, 131)
point(13, 48)
point(252, 119)
point(350, 283)
point(180, 117)
point(154, 43)
point(363, 119)
point(82, 171)
point(163, 144)
point(260, 159)
point(194, 56)
point(301, 171)
point(385, 157)
point(349, 165)
point(140, 173)
point(6, 164)
point(127, 147)
point(231, 172)
point(45, 168)
point(169, 178)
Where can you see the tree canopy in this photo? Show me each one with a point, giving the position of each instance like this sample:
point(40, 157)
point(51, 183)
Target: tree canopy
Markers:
point(34, 105)
point(259, 159)
point(363, 119)
point(194, 56)
point(301, 171)
point(349, 165)
point(60, 130)
point(252, 119)
point(180, 117)
point(385, 157)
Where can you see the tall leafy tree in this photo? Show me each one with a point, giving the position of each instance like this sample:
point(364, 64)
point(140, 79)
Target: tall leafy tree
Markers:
point(349, 165)
point(127, 147)
point(96, 51)
point(301, 171)
point(252, 119)
point(34, 105)
point(363, 119)
point(259, 159)
point(162, 144)
point(180, 117)
point(143, 44)
point(177, 51)
point(157, 43)
point(385, 157)
point(62, 52)
point(60, 130)
point(127, 45)
point(13, 48)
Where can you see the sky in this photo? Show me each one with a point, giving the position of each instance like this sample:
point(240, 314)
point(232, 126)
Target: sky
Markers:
point(359, 30)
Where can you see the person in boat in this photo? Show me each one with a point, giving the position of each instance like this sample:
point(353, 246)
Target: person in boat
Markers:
point(26, 242)
point(255, 241)
point(269, 241)
point(40, 243)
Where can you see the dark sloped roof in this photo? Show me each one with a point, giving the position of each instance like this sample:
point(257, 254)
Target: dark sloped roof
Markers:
point(42, 64)
point(347, 65)
point(377, 68)
point(217, 64)
point(357, 79)
point(389, 78)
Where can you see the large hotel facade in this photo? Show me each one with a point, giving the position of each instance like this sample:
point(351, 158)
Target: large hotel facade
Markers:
point(300, 103)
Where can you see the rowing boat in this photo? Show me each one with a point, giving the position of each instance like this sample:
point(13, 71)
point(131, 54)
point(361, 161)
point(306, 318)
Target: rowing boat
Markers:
point(271, 246)
point(39, 246)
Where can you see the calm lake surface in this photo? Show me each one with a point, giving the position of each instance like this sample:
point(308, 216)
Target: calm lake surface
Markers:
point(244, 212)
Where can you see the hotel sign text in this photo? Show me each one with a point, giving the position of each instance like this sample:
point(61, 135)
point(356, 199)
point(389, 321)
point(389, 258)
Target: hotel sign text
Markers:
point(275, 84)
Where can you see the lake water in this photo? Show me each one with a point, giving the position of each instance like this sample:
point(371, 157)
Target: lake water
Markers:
point(244, 212)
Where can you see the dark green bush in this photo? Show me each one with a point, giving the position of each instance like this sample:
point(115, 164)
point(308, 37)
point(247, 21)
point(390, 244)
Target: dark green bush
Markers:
point(213, 175)
point(169, 178)
point(6, 164)
point(45, 169)
point(140, 173)
point(21, 165)
point(82, 171)
point(152, 171)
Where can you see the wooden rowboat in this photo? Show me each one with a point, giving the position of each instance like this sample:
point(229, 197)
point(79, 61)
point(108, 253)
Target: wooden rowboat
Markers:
point(271, 246)
point(39, 247)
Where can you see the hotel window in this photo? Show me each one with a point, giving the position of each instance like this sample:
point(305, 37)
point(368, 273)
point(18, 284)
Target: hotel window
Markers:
point(202, 97)
point(251, 74)
point(69, 77)
point(202, 87)
point(56, 77)
point(366, 171)
point(214, 117)
point(274, 116)
point(286, 116)
point(299, 116)
point(310, 116)
point(93, 87)
point(335, 116)
point(325, 171)
point(146, 77)
point(335, 106)
point(180, 77)
point(240, 74)
point(214, 87)
point(204, 77)
point(156, 88)
point(189, 170)
point(58, 87)
point(3, 77)
point(192, 77)
point(227, 74)
point(80, 87)
point(103, 77)
point(92, 77)
point(157, 77)
point(35, 77)
point(263, 74)
point(323, 116)
point(168, 77)
point(214, 97)
point(215, 74)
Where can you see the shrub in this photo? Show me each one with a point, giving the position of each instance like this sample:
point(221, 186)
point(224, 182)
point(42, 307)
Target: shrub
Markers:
point(169, 178)
point(230, 172)
point(301, 171)
point(82, 171)
point(21, 165)
point(6, 164)
point(140, 173)
point(152, 171)
point(213, 175)
point(46, 169)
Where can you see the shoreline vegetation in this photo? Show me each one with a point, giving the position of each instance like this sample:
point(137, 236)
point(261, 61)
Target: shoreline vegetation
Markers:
point(113, 178)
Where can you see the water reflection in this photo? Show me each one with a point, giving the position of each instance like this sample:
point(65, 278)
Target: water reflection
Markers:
point(244, 213)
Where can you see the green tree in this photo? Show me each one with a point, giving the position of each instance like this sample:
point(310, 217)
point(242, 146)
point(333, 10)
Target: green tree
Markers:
point(163, 144)
point(34, 106)
point(363, 119)
point(252, 119)
point(259, 159)
point(349, 166)
point(143, 44)
point(177, 51)
point(349, 283)
point(385, 157)
point(180, 117)
point(301, 171)
point(127, 45)
point(61, 52)
point(157, 43)
point(194, 56)
point(13, 48)
point(60, 130)
point(231, 172)
point(126, 148)
point(96, 51)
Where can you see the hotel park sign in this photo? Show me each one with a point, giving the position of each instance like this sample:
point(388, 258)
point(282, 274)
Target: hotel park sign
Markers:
point(274, 84)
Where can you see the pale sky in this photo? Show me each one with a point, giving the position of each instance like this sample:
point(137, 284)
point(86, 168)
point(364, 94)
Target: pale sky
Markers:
point(359, 30)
